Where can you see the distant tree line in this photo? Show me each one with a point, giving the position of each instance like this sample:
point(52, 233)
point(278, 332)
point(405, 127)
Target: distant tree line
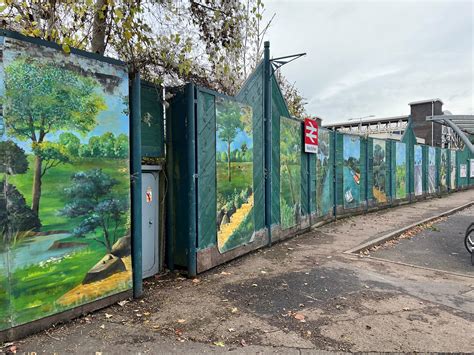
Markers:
point(243, 154)
point(105, 146)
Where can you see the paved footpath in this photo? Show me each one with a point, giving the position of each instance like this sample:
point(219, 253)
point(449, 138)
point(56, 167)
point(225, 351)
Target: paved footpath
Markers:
point(303, 295)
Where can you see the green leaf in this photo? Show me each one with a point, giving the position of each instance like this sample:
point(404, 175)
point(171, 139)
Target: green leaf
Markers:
point(66, 48)
point(118, 13)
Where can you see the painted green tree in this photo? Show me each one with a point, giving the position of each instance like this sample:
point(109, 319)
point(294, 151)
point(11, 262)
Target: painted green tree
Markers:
point(228, 125)
point(41, 99)
point(15, 215)
point(290, 152)
point(71, 143)
point(91, 196)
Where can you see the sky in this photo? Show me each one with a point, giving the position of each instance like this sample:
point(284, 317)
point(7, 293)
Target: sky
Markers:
point(369, 58)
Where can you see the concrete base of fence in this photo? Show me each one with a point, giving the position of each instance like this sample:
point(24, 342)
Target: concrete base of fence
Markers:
point(211, 257)
point(24, 330)
point(317, 221)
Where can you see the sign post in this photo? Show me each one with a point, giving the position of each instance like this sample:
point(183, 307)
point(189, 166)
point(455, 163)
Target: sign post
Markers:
point(310, 135)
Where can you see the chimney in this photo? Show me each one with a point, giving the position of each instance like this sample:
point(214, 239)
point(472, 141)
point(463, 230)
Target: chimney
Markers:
point(429, 131)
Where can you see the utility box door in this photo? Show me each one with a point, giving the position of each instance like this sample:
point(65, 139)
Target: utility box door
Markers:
point(150, 228)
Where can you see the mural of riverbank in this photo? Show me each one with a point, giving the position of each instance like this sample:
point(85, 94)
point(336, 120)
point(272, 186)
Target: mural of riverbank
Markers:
point(65, 212)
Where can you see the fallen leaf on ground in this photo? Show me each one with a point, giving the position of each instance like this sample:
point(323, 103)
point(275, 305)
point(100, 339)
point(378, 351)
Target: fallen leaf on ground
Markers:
point(243, 343)
point(263, 272)
point(234, 310)
point(122, 303)
point(231, 330)
point(181, 320)
point(102, 326)
point(108, 315)
point(219, 343)
point(225, 273)
point(196, 281)
point(254, 285)
point(146, 313)
point(300, 317)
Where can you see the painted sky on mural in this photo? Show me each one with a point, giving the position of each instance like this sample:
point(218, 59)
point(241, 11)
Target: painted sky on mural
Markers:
point(112, 119)
point(373, 58)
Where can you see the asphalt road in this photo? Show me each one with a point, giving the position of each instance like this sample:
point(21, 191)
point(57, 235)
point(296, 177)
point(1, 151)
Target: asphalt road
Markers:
point(439, 247)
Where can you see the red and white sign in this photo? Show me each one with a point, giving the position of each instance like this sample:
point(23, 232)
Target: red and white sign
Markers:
point(310, 135)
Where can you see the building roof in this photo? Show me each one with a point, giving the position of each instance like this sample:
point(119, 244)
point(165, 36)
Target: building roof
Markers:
point(428, 101)
point(356, 122)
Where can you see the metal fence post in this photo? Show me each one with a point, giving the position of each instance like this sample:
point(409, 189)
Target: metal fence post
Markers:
point(136, 179)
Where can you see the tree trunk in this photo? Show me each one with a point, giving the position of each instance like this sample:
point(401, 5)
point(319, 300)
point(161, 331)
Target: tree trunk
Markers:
point(37, 184)
point(290, 180)
point(98, 27)
point(228, 161)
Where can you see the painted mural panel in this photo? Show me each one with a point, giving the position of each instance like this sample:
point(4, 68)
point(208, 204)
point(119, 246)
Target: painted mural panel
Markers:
point(418, 173)
point(234, 170)
point(351, 171)
point(452, 183)
point(400, 170)
point(443, 170)
point(379, 188)
point(324, 174)
point(290, 172)
point(66, 229)
point(431, 170)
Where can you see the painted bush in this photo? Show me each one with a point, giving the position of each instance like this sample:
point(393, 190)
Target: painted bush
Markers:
point(65, 226)
point(443, 170)
point(400, 170)
point(452, 181)
point(351, 171)
point(290, 172)
point(431, 170)
point(324, 174)
point(379, 188)
point(234, 169)
point(418, 170)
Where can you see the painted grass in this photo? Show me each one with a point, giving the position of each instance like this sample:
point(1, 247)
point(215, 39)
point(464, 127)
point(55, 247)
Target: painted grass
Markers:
point(400, 182)
point(241, 178)
point(35, 289)
point(228, 230)
point(57, 179)
point(4, 301)
point(242, 234)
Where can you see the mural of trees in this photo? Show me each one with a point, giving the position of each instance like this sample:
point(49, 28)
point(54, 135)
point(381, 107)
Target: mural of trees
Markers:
point(324, 193)
point(15, 215)
point(401, 170)
point(91, 198)
point(41, 99)
point(379, 171)
point(351, 171)
point(234, 169)
point(64, 206)
point(290, 172)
